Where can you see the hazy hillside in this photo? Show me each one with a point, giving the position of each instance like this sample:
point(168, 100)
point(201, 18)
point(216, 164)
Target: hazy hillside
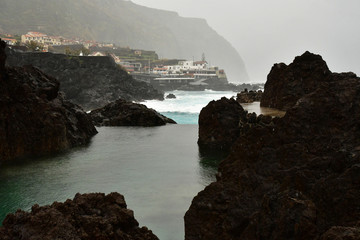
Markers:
point(125, 24)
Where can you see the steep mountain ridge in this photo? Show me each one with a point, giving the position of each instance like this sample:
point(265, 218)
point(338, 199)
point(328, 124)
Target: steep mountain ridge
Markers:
point(126, 24)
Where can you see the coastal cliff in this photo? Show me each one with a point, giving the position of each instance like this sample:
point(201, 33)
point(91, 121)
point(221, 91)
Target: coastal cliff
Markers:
point(125, 24)
point(87, 216)
point(295, 179)
point(35, 118)
point(91, 82)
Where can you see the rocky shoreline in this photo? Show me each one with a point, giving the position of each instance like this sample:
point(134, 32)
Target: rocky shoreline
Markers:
point(38, 120)
point(87, 216)
point(221, 123)
point(35, 118)
point(297, 178)
point(124, 113)
point(249, 96)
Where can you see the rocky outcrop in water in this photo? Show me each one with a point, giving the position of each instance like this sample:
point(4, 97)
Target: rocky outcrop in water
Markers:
point(124, 113)
point(87, 216)
point(171, 96)
point(219, 124)
point(91, 82)
point(285, 85)
point(249, 96)
point(295, 179)
point(222, 121)
point(35, 119)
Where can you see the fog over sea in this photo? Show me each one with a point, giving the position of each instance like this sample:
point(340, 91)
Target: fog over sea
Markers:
point(158, 169)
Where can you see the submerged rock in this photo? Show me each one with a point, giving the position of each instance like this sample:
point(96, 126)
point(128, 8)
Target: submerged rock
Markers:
point(297, 178)
point(87, 216)
point(285, 85)
point(124, 113)
point(35, 119)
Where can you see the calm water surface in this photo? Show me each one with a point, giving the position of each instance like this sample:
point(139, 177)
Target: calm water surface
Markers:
point(158, 170)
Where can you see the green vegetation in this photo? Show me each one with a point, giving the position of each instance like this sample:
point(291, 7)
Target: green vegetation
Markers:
point(34, 46)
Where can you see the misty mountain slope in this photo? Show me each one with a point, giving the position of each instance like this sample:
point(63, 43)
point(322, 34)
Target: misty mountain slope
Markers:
point(126, 24)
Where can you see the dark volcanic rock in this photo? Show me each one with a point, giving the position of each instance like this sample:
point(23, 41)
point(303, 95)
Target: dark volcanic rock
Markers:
point(87, 216)
point(35, 119)
point(249, 96)
point(285, 85)
point(342, 233)
point(91, 82)
point(222, 121)
point(2, 57)
point(295, 179)
point(219, 124)
point(171, 96)
point(124, 113)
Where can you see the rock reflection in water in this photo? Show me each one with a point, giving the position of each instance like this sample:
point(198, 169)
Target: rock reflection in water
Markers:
point(255, 107)
point(209, 163)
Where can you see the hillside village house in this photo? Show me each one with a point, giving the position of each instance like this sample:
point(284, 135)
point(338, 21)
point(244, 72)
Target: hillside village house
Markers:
point(40, 38)
point(184, 66)
point(9, 41)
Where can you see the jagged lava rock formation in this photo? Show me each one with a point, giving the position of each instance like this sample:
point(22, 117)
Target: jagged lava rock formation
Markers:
point(124, 113)
point(285, 85)
point(2, 58)
point(87, 216)
point(219, 124)
point(222, 121)
point(35, 119)
point(249, 96)
point(295, 179)
point(91, 82)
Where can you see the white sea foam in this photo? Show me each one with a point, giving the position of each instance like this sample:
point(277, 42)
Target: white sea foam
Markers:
point(186, 107)
point(186, 101)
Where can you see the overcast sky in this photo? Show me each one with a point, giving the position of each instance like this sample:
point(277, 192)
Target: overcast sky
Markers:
point(269, 31)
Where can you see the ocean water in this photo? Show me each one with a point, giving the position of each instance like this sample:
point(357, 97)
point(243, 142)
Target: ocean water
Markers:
point(186, 107)
point(159, 170)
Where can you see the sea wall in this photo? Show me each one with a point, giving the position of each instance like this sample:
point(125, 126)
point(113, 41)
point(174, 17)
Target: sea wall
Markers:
point(297, 178)
point(91, 82)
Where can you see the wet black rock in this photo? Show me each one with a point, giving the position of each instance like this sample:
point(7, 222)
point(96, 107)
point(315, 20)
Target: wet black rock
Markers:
point(295, 178)
point(124, 113)
point(35, 118)
point(86, 217)
point(249, 96)
point(171, 96)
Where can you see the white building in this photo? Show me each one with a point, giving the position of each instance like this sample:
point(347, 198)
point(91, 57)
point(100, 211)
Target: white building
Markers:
point(40, 38)
point(9, 41)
